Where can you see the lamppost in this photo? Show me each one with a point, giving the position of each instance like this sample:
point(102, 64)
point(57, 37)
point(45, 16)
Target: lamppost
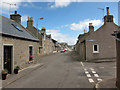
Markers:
point(37, 25)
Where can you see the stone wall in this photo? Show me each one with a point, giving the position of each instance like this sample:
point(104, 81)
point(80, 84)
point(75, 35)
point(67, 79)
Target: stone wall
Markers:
point(106, 42)
point(21, 51)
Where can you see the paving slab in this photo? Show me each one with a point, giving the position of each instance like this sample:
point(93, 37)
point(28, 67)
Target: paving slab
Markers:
point(13, 77)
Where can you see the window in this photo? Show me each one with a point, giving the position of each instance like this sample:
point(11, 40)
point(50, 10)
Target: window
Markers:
point(30, 50)
point(95, 48)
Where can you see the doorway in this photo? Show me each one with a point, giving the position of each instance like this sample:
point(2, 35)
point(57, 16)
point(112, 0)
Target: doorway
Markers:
point(30, 52)
point(8, 53)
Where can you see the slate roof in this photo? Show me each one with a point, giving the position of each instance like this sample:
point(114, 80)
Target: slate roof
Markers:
point(11, 28)
point(80, 36)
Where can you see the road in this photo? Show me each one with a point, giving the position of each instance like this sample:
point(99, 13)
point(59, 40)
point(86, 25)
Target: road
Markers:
point(62, 71)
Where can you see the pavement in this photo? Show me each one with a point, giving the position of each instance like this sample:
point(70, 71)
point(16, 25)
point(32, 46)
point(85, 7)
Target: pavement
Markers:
point(13, 77)
point(59, 71)
point(108, 84)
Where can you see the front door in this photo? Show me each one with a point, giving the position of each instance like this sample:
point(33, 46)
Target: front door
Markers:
point(8, 58)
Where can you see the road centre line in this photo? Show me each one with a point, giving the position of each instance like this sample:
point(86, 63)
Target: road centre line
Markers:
point(88, 75)
point(99, 79)
point(96, 75)
point(86, 72)
point(91, 80)
point(82, 64)
point(93, 72)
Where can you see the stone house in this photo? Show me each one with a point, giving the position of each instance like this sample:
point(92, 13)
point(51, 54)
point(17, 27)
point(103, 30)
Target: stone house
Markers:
point(98, 44)
point(45, 41)
point(117, 36)
point(17, 44)
point(56, 46)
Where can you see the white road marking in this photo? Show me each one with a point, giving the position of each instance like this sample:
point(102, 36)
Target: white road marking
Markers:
point(93, 72)
point(86, 72)
point(82, 64)
point(91, 80)
point(99, 79)
point(85, 69)
point(96, 75)
point(92, 69)
point(88, 75)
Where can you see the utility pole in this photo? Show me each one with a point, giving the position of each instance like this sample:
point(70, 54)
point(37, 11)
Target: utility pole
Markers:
point(37, 25)
point(10, 6)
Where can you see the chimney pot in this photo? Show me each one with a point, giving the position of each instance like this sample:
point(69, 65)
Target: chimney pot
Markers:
point(28, 18)
point(107, 10)
point(15, 12)
point(90, 24)
point(91, 28)
point(84, 30)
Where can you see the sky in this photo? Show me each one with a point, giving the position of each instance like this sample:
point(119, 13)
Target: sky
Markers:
point(64, 20)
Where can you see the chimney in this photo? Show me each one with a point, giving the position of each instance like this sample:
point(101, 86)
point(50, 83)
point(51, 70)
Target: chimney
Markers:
point(43, 30)
point(16, 17)
point(107, 10)
point(108, 17)
point(91, 28)
point(30, 22)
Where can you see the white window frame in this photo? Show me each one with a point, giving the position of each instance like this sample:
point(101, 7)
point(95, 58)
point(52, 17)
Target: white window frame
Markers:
point(97, 48)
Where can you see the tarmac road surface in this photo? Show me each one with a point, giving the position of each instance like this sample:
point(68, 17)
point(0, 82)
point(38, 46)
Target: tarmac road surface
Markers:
point(62, 71)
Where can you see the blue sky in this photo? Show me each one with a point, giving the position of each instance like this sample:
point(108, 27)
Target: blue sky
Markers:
point(64, 20)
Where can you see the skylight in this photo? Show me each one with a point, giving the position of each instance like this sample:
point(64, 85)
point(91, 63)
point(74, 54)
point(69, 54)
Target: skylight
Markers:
point(18, 28)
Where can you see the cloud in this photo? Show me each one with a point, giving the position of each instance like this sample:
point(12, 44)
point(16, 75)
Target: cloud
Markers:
point(6, 4)
point(60, 37)
point(63, 3)
point(25, 5)
point(24, 18)
point(84, 24)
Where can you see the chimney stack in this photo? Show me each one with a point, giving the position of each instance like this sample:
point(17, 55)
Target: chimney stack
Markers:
point(43, 30)
point(91, 28)
point(16, 17)
point(30, 22)
point(108, 18)
point(84, 31)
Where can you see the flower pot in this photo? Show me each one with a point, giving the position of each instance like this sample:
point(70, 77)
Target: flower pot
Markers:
point(30, 60)
point(4, 76)
point(16, 71)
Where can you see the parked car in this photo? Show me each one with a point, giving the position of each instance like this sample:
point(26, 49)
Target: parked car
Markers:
point(62, 51)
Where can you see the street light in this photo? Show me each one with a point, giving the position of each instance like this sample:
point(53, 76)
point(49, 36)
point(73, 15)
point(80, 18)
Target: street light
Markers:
point(37, 25)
